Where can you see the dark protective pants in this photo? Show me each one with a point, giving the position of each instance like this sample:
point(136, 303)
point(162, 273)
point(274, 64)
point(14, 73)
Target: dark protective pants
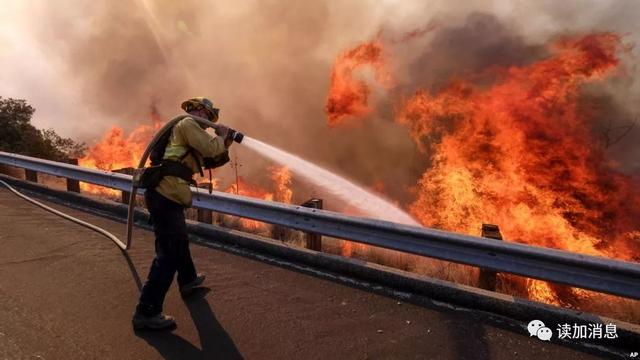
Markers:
point(172, 253)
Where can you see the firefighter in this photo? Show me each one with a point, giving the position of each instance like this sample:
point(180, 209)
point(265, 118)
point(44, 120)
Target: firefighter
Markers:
point(182, 154)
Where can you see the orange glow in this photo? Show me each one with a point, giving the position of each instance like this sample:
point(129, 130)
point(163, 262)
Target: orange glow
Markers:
point(349, 95)
point(116, 151)
point(517, 152)
point(351, 249)
point(253, 191)
point(281, 177)
point(246, 189)
point(520, 154)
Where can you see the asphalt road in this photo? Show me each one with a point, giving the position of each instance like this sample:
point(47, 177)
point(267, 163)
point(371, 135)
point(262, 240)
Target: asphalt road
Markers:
point(68, 293)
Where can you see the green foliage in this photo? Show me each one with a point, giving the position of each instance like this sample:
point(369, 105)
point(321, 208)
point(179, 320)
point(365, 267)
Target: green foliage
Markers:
point(68, 147)
point(17, 135)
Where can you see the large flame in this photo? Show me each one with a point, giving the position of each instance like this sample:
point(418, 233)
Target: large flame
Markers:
point(349, 93)
point(520, 153)
point(116, 150)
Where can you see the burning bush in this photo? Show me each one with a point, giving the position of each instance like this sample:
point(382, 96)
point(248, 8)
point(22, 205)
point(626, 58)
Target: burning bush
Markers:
point(519, 151)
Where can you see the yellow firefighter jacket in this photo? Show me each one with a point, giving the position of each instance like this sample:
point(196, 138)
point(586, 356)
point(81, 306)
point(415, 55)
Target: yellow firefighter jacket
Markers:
point(187, 134)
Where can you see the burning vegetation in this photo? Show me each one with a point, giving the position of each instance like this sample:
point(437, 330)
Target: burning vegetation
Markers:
point(512, 146)
point(281, 180)
point(116, 150)
point(520, 153)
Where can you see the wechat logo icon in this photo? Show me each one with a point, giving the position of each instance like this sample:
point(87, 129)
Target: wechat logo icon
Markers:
point(538, 329)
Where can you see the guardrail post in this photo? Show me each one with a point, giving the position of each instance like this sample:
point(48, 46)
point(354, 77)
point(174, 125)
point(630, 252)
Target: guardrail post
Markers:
point(204, 215)
point(31, 175)
point(487, 278)
point(278, 232)
point(73, 185)
point(314, 240)
point(124, 198)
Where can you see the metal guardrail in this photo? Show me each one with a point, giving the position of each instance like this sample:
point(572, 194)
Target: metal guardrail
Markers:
point(93, 176)
point(584, 271)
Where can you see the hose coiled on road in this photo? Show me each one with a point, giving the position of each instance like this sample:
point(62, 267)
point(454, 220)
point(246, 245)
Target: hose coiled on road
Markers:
point(95, 228)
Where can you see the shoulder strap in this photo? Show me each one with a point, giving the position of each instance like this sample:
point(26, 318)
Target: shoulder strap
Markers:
point(157, 153)
point(186, 154)
point(195, 158)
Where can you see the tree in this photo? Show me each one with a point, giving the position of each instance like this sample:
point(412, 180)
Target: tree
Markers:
point(68, 147)
point(18, 135)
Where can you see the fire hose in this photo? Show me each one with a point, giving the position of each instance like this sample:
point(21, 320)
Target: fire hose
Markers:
point(233, 135)
point(95, 228)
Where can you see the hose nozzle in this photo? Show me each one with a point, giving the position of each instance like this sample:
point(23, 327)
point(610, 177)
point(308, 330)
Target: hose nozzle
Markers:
point(235, 135)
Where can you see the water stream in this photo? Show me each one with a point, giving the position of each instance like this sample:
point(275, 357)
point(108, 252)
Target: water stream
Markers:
point(368, 203)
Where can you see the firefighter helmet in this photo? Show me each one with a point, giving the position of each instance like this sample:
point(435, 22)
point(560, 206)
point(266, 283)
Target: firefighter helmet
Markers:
point(200, 102)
